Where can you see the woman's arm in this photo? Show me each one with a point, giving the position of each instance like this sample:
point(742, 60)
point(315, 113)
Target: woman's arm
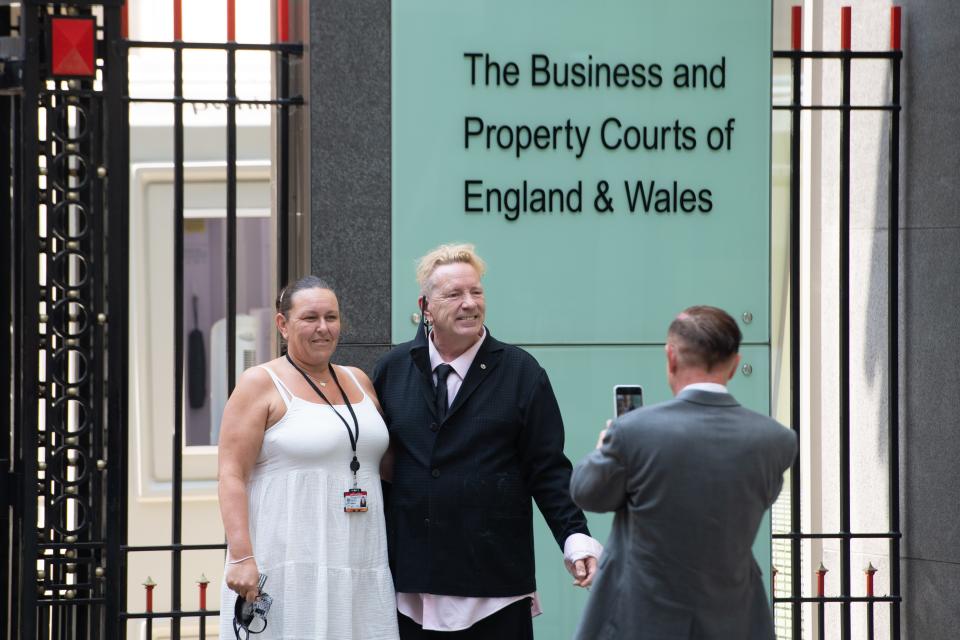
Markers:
point(244, 421)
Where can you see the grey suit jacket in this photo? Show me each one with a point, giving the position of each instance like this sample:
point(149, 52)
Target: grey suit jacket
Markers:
point(690, 480)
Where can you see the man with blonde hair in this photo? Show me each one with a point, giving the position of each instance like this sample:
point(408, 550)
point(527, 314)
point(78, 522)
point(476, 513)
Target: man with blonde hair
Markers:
point(477, 435)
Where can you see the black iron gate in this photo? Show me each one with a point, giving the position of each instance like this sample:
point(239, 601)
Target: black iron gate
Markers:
point(792, 597)
point(65, 293)
point(64, 198)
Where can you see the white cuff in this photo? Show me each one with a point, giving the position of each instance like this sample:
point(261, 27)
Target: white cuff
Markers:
point(578, 546)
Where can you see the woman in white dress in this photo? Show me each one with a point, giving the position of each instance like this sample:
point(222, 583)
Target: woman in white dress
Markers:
point(301, 444)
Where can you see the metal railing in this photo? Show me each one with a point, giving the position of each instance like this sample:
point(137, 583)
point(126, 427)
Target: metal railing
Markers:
point(285, 52)
point(64, 259)
point(845, 56)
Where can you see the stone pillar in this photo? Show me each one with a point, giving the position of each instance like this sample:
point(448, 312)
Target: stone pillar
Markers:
point(349, 105)
point(930, 435)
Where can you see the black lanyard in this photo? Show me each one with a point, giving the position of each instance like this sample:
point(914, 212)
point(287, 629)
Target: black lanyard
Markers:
point(354, 437)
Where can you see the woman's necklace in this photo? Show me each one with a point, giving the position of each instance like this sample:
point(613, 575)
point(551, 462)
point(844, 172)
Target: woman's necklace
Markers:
point(323, 385)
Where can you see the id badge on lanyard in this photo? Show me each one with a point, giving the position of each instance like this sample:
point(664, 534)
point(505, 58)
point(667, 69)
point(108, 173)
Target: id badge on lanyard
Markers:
point(355, 500)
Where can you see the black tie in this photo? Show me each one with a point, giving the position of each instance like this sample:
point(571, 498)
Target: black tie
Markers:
point(443, 371)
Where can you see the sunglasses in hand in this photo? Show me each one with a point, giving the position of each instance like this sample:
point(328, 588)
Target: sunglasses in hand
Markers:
point(251, 617)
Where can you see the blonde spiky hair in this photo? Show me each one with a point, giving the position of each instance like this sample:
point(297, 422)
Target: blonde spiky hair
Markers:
point(443, 255)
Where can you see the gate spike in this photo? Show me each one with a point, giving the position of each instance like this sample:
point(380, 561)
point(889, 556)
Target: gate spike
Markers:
point(821, 573)
point(203, 582)
point(149, 585)
point(869, 570)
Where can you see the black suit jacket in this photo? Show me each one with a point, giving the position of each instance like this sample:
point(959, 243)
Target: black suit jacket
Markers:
point(459, 517)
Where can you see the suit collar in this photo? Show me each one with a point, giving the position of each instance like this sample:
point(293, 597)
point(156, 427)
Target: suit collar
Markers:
point(698, 396)
point(421, 359)
point(461, 364)
point(486, 360)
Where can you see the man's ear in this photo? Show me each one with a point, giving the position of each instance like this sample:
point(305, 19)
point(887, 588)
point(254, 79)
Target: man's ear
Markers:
point(672, 360)
point(734, 366)
point(422, 303)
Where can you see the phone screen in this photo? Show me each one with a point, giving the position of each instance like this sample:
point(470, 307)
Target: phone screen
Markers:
point(627, 397)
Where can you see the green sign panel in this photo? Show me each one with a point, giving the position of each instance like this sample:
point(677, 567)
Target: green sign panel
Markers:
point(610, 161)
point(613, 159)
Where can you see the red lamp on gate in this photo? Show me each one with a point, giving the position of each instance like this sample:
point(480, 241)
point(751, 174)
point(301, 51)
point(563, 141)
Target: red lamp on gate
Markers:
point(71, 47)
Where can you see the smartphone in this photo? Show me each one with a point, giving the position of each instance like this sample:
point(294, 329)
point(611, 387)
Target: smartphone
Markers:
point(626, 397)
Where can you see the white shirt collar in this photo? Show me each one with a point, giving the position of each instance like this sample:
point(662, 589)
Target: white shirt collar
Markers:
point(460, 364)
point(712, 387)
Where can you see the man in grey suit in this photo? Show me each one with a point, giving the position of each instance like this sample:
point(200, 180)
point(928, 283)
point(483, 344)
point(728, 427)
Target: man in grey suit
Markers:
point(689, 480)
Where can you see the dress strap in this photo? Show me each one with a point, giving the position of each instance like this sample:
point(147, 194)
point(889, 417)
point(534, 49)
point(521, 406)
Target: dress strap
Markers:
point(285, 393)
point(355, 381)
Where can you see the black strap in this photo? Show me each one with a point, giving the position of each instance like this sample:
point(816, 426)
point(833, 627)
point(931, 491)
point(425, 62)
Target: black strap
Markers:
point(354, 437)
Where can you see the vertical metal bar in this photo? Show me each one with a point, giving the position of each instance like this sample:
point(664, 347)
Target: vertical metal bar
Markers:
point(19, 531)
point(202, 586)
point(283, 193)
point(117, 303)
point(177, 451)
point(148, 588)
point(8, 548)
point(795, 133)
point(49, 342)
point(821, 605)
point(893, 319)
point(844, 341)
point(99, 366)
point(27, 302)
point(231, 219)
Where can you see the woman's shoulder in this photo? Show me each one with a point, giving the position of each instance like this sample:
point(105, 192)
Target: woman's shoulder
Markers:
point(356, 372)
point(257, 378)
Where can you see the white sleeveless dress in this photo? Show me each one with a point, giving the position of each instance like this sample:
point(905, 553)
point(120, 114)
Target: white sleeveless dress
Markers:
point(326, 570)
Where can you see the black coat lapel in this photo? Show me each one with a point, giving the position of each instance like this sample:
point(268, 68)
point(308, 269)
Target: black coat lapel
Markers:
point(487, 359)
point(421, 360)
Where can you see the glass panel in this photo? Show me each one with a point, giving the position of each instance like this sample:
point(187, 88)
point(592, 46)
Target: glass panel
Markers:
point(206, 339)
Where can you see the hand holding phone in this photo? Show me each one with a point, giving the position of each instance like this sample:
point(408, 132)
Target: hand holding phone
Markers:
point(626, 397)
